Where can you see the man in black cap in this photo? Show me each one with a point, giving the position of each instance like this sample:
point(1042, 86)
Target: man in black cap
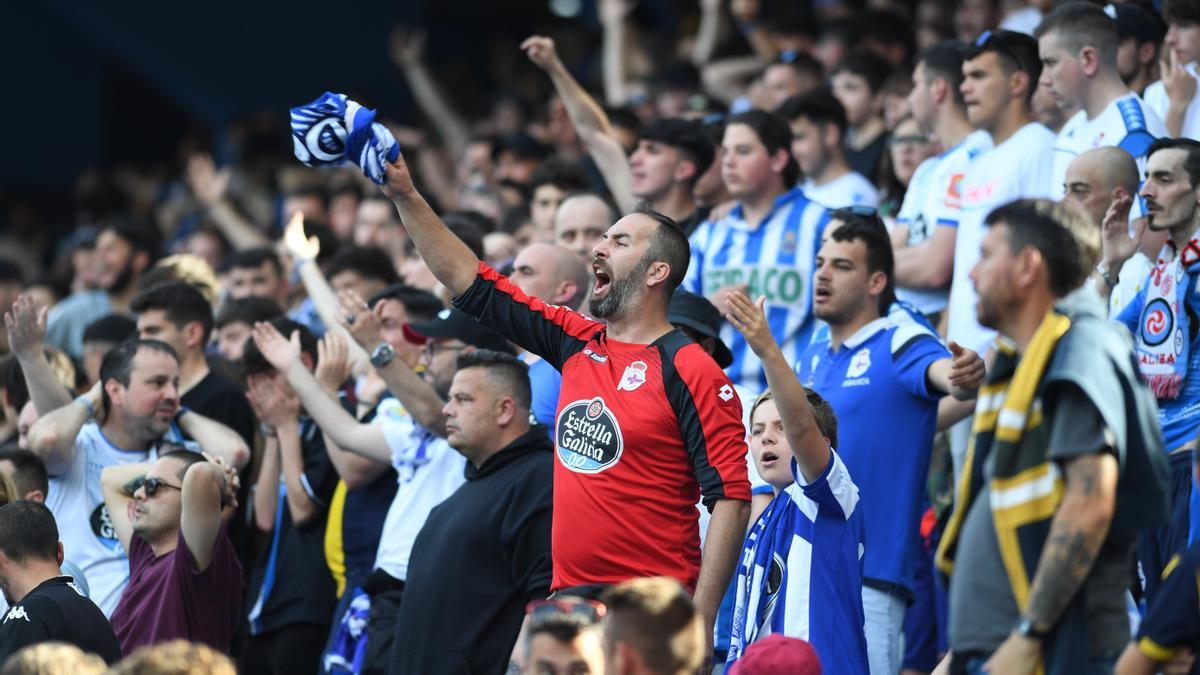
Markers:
point(1139, 33)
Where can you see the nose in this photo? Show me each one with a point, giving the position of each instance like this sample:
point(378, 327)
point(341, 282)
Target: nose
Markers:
point(1147, 191)
point(1172, 36)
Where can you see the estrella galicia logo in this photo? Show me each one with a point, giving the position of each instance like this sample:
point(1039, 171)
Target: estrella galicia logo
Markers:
point(1157, 322)
point(588, 438)
point(103, 528)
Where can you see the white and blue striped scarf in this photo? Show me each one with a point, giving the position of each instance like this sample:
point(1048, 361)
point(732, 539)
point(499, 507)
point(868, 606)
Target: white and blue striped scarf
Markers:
point(335, 131)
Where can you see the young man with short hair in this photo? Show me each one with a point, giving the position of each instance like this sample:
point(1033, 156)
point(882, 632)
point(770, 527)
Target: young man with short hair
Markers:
point(858, 84)
point(564, 639)
point(102, 335)
point(177, 314)
point(236, 319)
point(257, 273)
point(1140, 31)
point(652, 629)
point(551, 182)
point(185, 581)
point(818, 123)
point(1174, 96)
point(927, 224)
point(765, 245)
point(1077, 43)
point(45, 605)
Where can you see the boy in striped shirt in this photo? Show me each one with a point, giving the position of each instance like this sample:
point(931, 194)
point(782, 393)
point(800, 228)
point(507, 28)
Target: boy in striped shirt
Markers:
point(801, 567)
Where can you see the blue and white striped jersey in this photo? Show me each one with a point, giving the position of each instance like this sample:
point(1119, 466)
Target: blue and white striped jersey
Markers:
point(772, 258)
point(801, 572)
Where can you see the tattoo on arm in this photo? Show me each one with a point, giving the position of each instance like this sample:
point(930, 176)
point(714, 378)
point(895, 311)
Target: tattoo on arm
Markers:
point(1076, 535)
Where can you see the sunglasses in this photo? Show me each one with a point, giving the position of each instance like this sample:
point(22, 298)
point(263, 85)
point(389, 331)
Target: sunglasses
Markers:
point(860, 211)
point(590, 610)
point(151, 485)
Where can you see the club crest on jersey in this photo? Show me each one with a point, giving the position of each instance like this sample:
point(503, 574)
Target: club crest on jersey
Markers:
point(634, 376)
point(587, 436)
point(859, 363)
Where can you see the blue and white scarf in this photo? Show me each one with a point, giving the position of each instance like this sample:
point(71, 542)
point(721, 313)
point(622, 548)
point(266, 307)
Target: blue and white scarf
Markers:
point(1163, 332)
point(335, 131)
point(761, 577)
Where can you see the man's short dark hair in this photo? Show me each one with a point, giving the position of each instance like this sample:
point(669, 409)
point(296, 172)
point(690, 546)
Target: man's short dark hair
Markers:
point(117, 364)
point(1067, 240)
point(818, 106)
point(180, 302)
point(505, 369)
point(467, 229)
point(12, 378)
point(28, 531)
point(560, 173)
point(187, 457)
point(945, 60)
point(1015, 51)
point(871, 231)
point(253, 258)
point(888, 28)
point(10, 273)
point(254, 363)
point(668, 244)
point(141, 238)
point(368, 261)
point(867, 65)
point(29, 470)
point(686, 136)
point(775, 134)
point(419, 305)
point(1181, 12)
point(1081, 24)
point(1191, 163)
point(111, 330)
point(249, 310)
point(562, 627)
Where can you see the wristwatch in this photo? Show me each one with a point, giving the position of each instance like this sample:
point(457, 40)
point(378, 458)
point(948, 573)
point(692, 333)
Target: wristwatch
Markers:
point(1026, 629)
point(382, 355)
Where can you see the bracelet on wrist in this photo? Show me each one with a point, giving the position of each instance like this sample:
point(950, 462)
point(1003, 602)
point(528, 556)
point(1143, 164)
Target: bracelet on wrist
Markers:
point(183, 410)
point(1106, 276)
point(87, 403)
point(267, 430)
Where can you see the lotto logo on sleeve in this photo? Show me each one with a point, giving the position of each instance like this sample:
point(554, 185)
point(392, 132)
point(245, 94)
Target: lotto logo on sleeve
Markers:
point(725, 392)
point(588, 438)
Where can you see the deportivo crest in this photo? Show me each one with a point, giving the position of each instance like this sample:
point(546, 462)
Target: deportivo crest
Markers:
point(860, 363)
point(634, 376)
point(587, 436)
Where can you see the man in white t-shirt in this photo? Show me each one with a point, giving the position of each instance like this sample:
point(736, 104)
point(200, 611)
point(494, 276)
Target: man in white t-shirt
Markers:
point(1077, 43)
point(1001, 74)
point(137, 399)
point(818, 123)
point(1174, 96)
point(927, 223)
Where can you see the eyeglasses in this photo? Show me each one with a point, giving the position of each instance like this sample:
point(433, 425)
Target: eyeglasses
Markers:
point(589, 610)
point(433, 347)
point(909, 140)
point(151, 485)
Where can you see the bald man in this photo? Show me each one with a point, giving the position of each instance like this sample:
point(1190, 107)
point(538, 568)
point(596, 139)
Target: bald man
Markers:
point(559, 277)
point(581, 219)
point(1095, 180)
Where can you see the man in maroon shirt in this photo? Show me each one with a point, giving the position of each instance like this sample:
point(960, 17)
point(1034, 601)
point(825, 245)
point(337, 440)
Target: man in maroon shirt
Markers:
point(184, 579)
point(647, 423)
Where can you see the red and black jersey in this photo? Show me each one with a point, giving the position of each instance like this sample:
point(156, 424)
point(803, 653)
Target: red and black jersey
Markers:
point(641, 432)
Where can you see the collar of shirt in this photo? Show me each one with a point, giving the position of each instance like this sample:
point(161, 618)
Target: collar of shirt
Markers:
point(862, 334)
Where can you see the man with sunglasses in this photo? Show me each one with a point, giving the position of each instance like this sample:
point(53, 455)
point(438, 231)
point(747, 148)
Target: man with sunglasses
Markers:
point(563, 637)
point(893, 371)
point(185, 581)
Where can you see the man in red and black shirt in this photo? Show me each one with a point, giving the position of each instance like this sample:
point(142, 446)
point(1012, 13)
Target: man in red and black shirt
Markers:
point(646, 420)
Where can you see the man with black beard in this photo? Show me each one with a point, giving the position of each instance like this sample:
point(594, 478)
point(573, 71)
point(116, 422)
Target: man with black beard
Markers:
point(646, 423)
point(124, 252)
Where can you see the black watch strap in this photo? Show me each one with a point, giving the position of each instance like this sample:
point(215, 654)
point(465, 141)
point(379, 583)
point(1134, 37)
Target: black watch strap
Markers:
point(1026, 629)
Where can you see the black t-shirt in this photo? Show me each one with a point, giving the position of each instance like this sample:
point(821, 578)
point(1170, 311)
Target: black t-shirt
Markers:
point(867, 160)
point(56, 611)
point(222, 400)
point(291, 584)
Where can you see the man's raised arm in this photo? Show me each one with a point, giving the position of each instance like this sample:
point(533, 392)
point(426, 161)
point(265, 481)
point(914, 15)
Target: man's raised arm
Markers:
point(450, 260)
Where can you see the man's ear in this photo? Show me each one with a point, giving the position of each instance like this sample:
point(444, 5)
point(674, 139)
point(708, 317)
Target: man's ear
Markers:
point(193, 335)
point(113, 388)
point(59, 554)
point(939, 89)
point(779, 160)
point(1089, 61)
point(658, 273)
point(141, 261)
point(308, 361)
point(684, 171)
point(35, 496)
point(1147, 52)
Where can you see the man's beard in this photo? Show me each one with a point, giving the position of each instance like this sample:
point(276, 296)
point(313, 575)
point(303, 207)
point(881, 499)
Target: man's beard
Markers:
point(124, 278)
point(621, 291)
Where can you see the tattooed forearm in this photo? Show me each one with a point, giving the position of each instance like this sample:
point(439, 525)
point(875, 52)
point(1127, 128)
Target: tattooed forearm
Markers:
point(1076, 535)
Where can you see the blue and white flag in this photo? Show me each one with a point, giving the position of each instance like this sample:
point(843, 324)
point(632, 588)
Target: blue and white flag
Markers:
point(335, 131)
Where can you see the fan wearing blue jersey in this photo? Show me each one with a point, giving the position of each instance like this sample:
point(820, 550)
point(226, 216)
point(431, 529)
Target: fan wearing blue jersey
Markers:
point(765, 246)
point(801, 567)
point(884, 378)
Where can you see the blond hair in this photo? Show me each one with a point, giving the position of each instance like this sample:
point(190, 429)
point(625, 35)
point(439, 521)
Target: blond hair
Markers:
point(53, 658)
point(176, 657)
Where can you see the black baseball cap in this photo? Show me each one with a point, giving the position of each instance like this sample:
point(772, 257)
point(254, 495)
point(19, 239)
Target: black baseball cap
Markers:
point(1135, 21)
point(697, 313)
point(453, 324)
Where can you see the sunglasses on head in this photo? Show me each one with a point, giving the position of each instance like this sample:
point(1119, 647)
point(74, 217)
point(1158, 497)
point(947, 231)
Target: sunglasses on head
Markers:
point(151, 485)
point(590, 610)
point(861, 211)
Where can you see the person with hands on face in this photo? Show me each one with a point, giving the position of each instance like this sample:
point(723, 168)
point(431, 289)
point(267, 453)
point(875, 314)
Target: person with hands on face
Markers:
point(884, 376)
point(1174, 96)
point(810, 537)
point(185, 581)
point(291, 592)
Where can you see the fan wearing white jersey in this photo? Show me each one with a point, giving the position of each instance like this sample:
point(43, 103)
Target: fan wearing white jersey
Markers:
point(1174, 96)
point(927, 224)
point(818, 123)
point(1077, 43)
